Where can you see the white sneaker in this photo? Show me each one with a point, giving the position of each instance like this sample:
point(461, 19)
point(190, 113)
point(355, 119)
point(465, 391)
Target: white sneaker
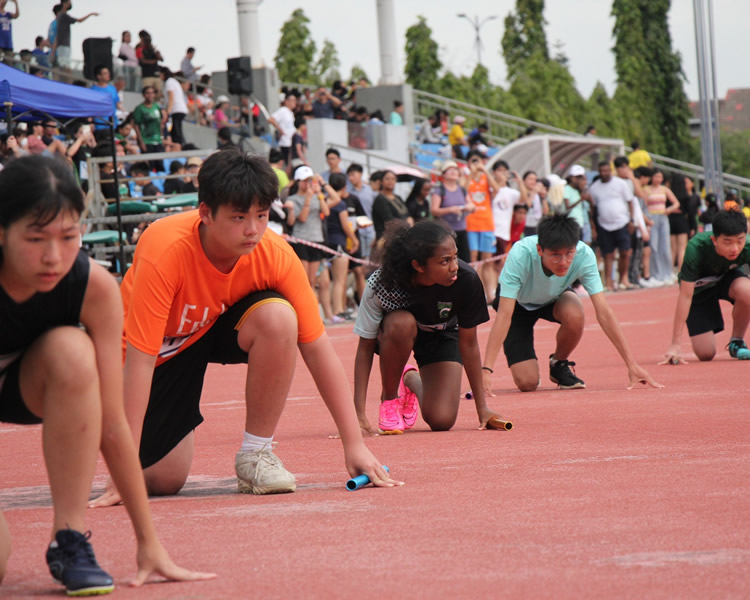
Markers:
point(262, 472)
point(649, 283)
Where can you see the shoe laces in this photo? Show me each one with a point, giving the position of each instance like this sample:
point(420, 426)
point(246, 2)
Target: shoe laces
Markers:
point(570, 364)
point(267, 457)
point(736, 345)
point(77, 547)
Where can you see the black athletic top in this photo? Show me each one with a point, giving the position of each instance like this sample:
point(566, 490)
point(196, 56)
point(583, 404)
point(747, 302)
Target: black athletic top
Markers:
point(23, 323)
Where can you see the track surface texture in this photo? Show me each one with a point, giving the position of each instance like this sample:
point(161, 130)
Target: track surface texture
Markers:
point(595, 493)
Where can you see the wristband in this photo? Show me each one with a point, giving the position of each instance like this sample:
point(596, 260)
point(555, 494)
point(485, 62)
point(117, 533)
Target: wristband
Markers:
point(488, 369)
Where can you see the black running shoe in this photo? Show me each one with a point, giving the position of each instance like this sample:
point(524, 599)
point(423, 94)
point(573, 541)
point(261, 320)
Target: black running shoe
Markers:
point(72, 562)
point(564, 376)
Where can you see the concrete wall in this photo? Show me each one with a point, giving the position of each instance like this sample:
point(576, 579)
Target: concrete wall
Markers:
point(382, 97)
point(321, 133)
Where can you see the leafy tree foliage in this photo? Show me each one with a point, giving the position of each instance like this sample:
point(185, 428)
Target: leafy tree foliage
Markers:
point(422, 61)
point(326, 69)
point(524, 35)
point(358, 73)
point(296, 51)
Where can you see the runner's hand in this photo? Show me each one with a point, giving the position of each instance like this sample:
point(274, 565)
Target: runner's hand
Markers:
point(110, 497)
point(153, 559)
point(672, 356)
point(638, 374)
point(360, 460)
point(485, 415)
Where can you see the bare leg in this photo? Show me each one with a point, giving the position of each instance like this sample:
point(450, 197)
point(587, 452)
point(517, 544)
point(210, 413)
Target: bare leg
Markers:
point(622, 266)
point(739, 291)
point(646, 262)
point(359, 276)
point(441, 383)
point(269, 335)
point(65, 393)
point(526, 374)
point(489, 277)
point(704, 345)
point(4, 546)
point(324, 292)
point(339, 271)
point(569, 311)
point(609, 260)
point(396, 344)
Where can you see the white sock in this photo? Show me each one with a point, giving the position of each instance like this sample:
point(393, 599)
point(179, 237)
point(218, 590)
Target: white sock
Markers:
point(251, 443)
point(552, 361)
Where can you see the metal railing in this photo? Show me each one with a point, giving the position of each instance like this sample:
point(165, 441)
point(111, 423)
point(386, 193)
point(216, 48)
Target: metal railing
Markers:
point(505, 128)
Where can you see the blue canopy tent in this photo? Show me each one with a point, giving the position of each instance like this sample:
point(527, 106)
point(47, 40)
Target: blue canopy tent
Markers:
point(27, 97)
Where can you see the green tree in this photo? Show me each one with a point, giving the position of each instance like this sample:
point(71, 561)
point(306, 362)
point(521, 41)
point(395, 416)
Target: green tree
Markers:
point(296, 51)
point(546, 92)
point(422, 61)
point(601, 113)
point(326, 69)
point(735, 152)
point(358, 73)
point(650, 93)
point(524, 35)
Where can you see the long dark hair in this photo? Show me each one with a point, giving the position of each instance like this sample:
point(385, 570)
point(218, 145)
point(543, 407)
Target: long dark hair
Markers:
point(38, 185)
point(416, 190)
point(403, 244)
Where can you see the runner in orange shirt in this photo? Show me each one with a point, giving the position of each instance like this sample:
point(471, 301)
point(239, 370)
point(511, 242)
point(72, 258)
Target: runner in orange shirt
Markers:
point(480, 225)
point(213, 286)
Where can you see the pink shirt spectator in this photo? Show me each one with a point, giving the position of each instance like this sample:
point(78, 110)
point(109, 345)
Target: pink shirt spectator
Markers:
point(126, 50)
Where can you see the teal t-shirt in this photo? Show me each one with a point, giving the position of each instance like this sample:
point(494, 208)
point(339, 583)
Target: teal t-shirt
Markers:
point(703, 266)
point(524, 280)
point(572, 195)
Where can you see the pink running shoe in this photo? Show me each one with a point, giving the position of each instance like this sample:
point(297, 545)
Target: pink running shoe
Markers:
point(409, 402)
point(391, 422)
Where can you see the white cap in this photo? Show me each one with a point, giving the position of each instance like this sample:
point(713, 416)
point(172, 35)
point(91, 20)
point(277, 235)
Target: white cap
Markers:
point(303, 173)
point(482, 148)
point(222, 99)
point(459, 119)
point(576, 170)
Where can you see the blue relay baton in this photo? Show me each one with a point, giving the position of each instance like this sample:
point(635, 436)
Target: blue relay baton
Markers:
point(360, 481)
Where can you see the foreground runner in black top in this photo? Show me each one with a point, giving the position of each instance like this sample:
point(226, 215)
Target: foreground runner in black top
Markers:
point(60, 365)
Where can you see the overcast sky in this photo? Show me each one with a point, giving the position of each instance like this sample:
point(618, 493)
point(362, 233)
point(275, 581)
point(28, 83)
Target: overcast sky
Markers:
point(583, 26)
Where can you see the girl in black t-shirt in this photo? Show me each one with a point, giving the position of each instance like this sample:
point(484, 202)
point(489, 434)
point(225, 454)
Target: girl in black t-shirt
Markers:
point(54, 372)
point(423, 299)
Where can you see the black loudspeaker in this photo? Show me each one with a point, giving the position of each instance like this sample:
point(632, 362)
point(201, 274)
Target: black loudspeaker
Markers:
point(239, 76)
point(96, 51)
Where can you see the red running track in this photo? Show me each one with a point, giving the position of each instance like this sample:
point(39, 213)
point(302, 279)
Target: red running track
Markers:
point(596, 493)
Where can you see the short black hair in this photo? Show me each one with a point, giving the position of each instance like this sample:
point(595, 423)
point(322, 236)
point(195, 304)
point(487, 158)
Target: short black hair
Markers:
point(225, 133)
point(558, 232)
point(500, 163)
point(635, 144)
point(337, 181)
point(355, 168)
point(621, 161)
point(237, 179)
point(333, 151)
point(38, 40)
point(299, 121)
point(189, 50)
point(728, 222)
point(518, 207)
point(473, 154)
point(642, 172)
point(275, 156)
point(377, 176)
point(397, 103)
point(603, 163)
point(141, 168)
point(99, 68)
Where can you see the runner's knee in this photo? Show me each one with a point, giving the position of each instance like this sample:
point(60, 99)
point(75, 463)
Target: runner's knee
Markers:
point(165, 484)
point(399, 324)
point(69, 358)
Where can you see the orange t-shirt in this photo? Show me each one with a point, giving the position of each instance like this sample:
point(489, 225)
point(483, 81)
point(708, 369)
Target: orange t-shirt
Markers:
point(173, 294)
point(479, 193)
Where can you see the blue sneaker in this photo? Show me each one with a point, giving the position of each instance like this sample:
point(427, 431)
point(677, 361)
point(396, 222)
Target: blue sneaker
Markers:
point(72, 562)
point(738, 349)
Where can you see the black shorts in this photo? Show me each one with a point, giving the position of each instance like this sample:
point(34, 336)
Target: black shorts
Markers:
point(609, 240)
point(174, 404)
point(519, 343)
point(12, 407)
point(433, 347)
point(308, 253)
point(705, 312)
